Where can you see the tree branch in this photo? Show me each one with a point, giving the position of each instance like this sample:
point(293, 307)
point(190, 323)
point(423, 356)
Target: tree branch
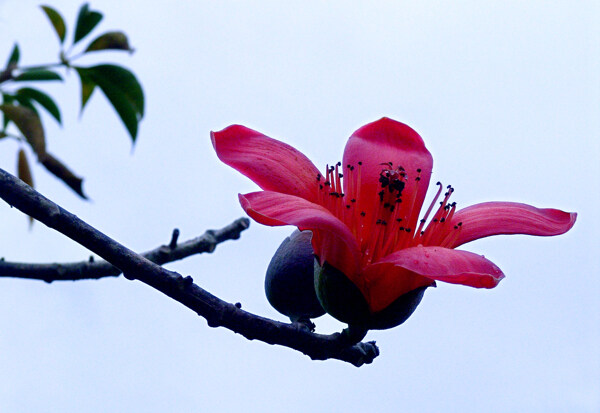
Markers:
point(217, 312)
point(92, 270)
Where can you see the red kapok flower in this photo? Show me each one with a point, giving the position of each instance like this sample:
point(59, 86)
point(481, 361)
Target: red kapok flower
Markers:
point(364, 212)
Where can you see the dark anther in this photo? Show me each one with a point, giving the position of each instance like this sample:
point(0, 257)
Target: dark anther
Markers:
point(359, 162)
point(460, 224)
point(174, 238)
point(341, 175)
point(238, 305)
point(347, 206)
point(407, 229)
point(386, 205)
point(384, 180)
point(398, 219)
point(401, 229)
point(422, 221)
point(338, 164)
point(362, 214)
point(318, 177)
point(392, 207)
point(456, 227)
point(422, 232)
point(418, 178)
point(327, 183)
point(435, 220)
point(353, 200)
point(397, 185)
point(320, 186)
point(443, 220)
point(378, 221)
point(419, 170)
point(449, 186)
point(438, 183)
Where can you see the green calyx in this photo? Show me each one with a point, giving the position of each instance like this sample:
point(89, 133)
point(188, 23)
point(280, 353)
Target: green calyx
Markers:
point(339, 296)
point(344, 301)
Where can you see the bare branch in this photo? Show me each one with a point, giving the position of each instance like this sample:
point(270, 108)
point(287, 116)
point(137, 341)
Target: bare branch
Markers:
point(91, 270)
point(217, 312)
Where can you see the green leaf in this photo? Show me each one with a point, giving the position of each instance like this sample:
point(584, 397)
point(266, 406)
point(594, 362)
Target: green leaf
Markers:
point(110, 41)
point(38, 74)
point(43, 99)
point(86, 21)
point(87, 86)
point(13, 60)
point(123, 91)
point(7, 99)
point(25, 101)
point(57, 22)
point(60, 170)
point(23, 169)
point(24, 173)
point(29, 124)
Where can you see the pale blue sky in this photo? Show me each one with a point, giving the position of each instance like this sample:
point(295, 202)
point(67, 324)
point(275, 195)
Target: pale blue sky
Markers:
point(507, 98)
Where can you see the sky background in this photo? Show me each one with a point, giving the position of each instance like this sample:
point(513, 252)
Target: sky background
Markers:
point(506, 95)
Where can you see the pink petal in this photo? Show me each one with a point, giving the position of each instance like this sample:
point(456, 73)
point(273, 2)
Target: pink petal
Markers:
point(385, 282)
point(448, 265)
point(387, 140)
point(273, 165)
point(332, 240)
point(495, 218)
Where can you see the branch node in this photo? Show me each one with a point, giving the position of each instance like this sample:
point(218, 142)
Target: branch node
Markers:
point(238, 305)
point(128, 276)
point(174, 238)
point(213, 322)
point(212, 240)
point(91, 259)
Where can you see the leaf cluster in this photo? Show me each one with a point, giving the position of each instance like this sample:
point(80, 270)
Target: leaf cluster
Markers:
point(21, 103)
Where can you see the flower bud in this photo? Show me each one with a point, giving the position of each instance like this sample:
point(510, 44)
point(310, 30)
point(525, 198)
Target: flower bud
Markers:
point(345, 302)
point(289, 283)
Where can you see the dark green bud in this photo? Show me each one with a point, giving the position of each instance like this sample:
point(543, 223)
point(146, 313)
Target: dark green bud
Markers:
point(342, 299)
point(289, 282)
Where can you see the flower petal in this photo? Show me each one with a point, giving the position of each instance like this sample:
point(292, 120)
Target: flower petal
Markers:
point(273, 165)
point(385, 282)
point(418, 266)
point(332, 240)
point(448, 265)
point(382, 141)
point(496, 218)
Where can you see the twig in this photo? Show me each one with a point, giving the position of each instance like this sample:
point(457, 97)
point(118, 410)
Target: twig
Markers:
point(90, 269)
point(217, 312)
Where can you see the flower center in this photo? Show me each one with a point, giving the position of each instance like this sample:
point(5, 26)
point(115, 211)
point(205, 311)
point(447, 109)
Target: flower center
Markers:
point(387, 222)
